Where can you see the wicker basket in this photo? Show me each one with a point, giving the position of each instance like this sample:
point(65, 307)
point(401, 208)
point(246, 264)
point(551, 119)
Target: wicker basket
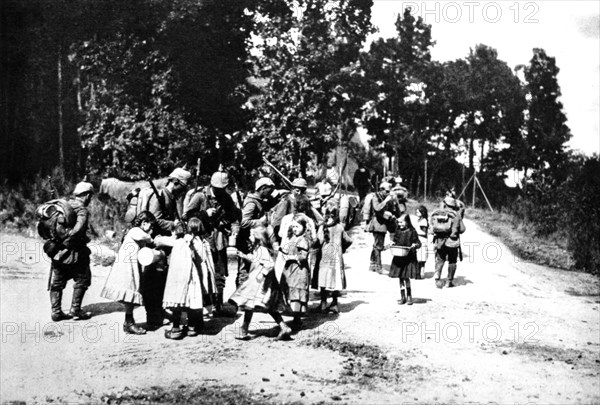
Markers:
point(400, 251)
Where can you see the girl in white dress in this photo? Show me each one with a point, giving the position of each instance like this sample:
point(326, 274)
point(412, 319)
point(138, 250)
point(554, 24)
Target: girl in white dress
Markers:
point(124, 280)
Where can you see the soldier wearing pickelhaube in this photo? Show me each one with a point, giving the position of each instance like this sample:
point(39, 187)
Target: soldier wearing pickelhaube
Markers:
point(214, 206)
point(164, 207)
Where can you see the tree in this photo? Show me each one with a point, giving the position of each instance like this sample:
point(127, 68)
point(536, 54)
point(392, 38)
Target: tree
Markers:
point(304, 58)
point(546, 129)
point(160, 79)
point(163, 87)
point(492, 103)
point(399, 69)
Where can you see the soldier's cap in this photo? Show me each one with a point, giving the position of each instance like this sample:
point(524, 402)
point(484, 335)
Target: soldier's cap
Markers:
point(450, 202)
point(299, 183)
point(181, 175)
point(220, 179)
point(83, 188)
point(385, 186)
point(262, 182)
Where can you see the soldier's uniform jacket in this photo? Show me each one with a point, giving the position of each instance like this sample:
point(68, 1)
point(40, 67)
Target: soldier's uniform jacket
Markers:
point(197, 202)
point(165, 217)
point(381, 211)
point(78, 238)
point(254, 208)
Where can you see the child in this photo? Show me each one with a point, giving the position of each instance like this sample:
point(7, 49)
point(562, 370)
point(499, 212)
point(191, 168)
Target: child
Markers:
point(332, 276)
point(296, 277)
point(261, 291)
point(405, 267)
point(190, 285)
point(422, 228)
point(123, 282)
point(302, 209)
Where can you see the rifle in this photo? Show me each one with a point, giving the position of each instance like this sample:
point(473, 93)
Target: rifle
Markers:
point(288, 183)
point(161, 204)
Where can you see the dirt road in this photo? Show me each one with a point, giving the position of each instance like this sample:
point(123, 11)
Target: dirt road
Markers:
point(509, 333)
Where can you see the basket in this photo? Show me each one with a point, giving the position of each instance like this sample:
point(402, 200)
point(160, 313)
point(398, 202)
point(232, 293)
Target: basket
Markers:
point(401, 251)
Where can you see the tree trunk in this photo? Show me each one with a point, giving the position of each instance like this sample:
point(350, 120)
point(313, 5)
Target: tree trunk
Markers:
point(61, 152)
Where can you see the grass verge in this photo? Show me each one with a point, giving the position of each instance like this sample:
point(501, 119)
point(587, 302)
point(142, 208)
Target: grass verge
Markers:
point(521, 239)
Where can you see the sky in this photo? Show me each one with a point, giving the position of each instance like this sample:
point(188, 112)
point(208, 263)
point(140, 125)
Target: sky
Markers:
point(566, 30)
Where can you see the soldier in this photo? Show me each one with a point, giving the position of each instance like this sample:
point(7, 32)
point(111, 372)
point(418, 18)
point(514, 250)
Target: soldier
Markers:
point(72, 261)
point(380, 211)
point(254, 213)
point(214, 206)
point(446, 241)
point(287, 205)
point(164, 208)
point(362, 182)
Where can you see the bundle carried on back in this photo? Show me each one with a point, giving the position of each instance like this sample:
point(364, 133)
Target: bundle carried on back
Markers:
point(442, 220)
point(56, 219)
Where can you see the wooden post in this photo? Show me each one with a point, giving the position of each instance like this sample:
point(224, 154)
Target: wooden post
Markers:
point(474, 188)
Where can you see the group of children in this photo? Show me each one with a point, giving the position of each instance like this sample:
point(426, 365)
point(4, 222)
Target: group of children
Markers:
point(278, 282)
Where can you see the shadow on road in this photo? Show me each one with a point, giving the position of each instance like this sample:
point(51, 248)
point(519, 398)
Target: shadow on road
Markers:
point(103, 308)
point(461, 280)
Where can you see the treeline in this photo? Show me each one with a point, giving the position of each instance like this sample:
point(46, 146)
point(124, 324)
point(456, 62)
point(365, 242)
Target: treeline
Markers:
point(133, 88)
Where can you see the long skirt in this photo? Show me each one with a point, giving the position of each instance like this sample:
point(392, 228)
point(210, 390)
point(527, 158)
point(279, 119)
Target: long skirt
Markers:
point(297, 280)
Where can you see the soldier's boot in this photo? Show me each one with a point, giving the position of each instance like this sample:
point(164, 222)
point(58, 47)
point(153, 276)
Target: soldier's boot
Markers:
point(195, 323)
point(76, 311)
point(451, 272)
point(219, 309)
point(55, 303)
point(219, 303)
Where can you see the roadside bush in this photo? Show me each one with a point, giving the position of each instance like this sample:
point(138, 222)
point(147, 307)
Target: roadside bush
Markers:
point(19, 202)
point(567, 209)
point(582, 205)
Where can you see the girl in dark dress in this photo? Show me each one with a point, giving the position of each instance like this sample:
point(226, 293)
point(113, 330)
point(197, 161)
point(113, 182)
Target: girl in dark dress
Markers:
point(405, 267)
